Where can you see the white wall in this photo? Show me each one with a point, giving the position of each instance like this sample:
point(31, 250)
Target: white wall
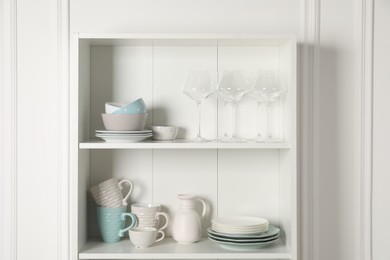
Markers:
point(381, 168)
point(339, 133)
point(339, 106)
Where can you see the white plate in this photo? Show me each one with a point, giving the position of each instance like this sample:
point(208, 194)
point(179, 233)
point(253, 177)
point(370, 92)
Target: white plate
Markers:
point(123, 139)
point(238, 227)
point(244, 246)
point(240, 221)
point(97, 134)
point(241, 231)
point(239, 240)
point(272, 231)
point(146, 131)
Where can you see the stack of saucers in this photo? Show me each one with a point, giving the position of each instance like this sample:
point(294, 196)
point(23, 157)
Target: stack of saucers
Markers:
point(123, 136)
point(242, 231)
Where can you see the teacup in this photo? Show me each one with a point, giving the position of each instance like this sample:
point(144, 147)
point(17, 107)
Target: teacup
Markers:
point(149, 214)
point(143, 237)
point(109, 193)
point(111, 223)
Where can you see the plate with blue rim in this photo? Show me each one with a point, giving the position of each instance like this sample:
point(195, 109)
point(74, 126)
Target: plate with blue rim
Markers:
point(272, 231)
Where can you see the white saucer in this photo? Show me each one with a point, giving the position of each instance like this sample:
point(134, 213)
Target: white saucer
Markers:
point(121, 139)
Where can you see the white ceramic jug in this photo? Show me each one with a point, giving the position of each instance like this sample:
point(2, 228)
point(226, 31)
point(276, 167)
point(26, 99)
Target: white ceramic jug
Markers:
point(187, 227)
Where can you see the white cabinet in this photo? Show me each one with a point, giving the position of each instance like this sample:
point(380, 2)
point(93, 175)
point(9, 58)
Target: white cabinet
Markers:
point(234, 178)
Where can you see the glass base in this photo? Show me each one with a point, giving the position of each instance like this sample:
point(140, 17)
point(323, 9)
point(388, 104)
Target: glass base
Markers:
point(274, 140)
point(233, 140)
point(199, 139)
point(259, 139)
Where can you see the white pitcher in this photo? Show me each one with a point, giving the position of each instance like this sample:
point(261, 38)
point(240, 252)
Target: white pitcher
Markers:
point(187, 226)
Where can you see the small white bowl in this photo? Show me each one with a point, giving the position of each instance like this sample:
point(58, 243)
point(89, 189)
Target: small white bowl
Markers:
point(164, 133)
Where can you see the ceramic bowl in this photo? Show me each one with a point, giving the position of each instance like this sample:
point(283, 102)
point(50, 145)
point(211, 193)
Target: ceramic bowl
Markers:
point(135, 107)
point(164, 133)
point(124, 122)
point(111, 107)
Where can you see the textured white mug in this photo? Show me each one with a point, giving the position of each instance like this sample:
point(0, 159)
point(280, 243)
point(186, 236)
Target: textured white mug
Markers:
point(109, 193)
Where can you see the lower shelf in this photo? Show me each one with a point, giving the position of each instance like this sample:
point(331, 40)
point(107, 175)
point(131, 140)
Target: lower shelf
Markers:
point(169, 249)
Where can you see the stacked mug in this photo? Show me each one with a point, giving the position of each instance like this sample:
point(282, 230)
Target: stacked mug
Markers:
point(111, 209)
point(148, 215)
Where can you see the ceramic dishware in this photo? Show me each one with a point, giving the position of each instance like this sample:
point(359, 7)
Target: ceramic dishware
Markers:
point(136, 107)
point(143, 237)
point(124, 122)
point(109, 193)
point(164, 133)
point(187, 226)
point(149, 214)
point(111, 107)
point(111, 222)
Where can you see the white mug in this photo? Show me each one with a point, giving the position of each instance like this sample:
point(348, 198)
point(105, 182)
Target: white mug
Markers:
point(143, 237)
point(109, 193)
point(149, 214)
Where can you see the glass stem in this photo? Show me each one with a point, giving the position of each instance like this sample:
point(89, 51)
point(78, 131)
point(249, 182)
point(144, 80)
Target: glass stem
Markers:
point(198, 104)
point(258, 119)
point(269, 134)
point(234, 120)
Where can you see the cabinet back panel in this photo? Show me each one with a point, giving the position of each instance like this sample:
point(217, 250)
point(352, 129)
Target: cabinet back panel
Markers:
point(244, 182)
point(157, 74)
point(170, 105)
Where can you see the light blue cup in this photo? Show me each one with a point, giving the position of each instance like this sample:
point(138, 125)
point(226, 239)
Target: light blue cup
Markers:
point(111, 223)
point(135, 107)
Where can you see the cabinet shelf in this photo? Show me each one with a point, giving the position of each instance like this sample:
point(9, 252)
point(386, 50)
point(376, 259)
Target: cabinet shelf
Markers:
point(181, 144)
point(169, 249)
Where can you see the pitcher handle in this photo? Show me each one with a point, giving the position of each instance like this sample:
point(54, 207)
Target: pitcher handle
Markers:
point(204, 206)
point(130, 190)
point(134, 222)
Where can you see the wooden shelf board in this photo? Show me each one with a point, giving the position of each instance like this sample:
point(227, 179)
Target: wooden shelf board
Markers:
point(181, 144)
point(169, 249)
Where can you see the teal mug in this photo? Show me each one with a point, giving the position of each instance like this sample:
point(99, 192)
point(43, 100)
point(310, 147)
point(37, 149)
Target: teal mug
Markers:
point(111, 223)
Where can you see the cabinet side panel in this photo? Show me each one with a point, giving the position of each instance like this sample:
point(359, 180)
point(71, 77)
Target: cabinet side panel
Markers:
point(171, 105)
point(83, 134)
point(248, 183)
point(185, 171)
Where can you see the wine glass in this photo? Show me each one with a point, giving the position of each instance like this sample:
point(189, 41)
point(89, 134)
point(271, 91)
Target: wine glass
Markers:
point(198, 86)
point(232, 87)
point(257, 94)
point(271, 85)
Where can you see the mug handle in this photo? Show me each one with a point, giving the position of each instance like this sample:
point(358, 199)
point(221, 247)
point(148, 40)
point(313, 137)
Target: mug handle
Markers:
point(204, 206)
point(134, 222)
point(130, 190)
point(166, 216)
point(162, 236)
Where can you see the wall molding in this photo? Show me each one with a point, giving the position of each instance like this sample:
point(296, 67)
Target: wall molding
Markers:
point(61, 56)
point(365, 47)
point(8, 130)
point(309, 132)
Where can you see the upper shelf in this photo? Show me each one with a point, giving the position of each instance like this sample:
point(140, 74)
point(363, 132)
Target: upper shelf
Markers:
point(181, 144)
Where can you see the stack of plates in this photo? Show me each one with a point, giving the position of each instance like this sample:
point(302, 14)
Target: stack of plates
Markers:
point(123, 136)
point(242, 232)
